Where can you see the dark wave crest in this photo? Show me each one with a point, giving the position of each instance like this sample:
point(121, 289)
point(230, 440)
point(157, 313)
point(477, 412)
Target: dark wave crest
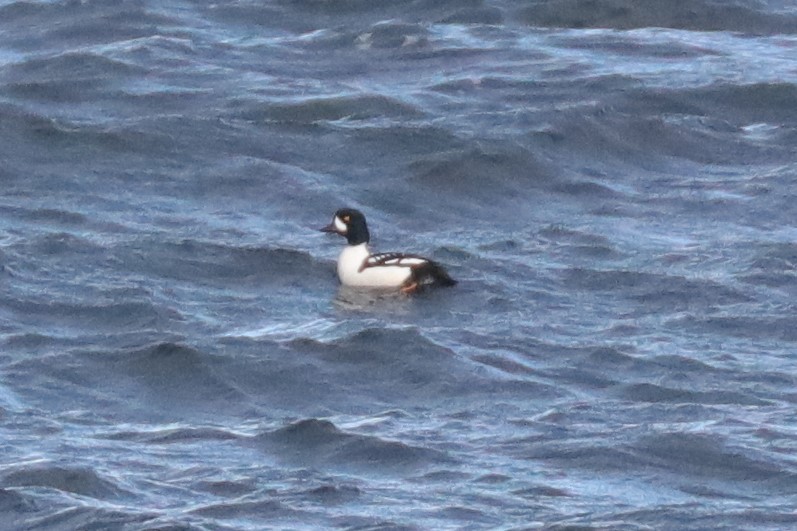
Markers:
point(314, 442)
point(704, 15)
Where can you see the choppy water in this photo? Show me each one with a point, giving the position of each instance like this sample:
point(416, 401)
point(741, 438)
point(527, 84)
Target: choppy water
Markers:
point(612, 182)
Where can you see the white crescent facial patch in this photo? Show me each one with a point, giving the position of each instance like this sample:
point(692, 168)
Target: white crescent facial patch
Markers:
point(340, 225)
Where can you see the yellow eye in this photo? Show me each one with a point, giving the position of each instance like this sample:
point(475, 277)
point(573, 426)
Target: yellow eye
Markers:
point(346, 219)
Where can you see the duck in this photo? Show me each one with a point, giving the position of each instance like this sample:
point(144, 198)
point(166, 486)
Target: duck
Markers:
point(359, 268)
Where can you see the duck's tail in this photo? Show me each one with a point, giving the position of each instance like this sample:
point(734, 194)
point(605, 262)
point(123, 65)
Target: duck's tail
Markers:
point(433, 274)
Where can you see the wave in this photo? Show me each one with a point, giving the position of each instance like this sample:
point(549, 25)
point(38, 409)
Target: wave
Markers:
point(56, 216)
point(71, 65)
point(332, 494)
point(13, 503)
point(207, 261)
point(655, 291)
point(173, 435)
point(96, 22)
point(775, 266)
point(700, 15)
point(306, 16)
point(315, 442)
point(401, 368)
point(646, 392)
point(746, 103)
point(647, 127)
point(680, 459)
point(707, 456)
point(51, 139)
point(234, 509)
point(73, 479)
point(105, 316)
point(469, 176)
point(176, 373)
point(775, 328)
point(69, 77)
point(703, 15)
point(163, 382)
point(330, 109)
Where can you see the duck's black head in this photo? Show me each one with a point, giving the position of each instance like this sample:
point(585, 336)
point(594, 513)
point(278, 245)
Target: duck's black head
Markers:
point(350, 223)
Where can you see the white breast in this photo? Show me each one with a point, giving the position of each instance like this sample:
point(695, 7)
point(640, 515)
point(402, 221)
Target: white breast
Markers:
point(351, 273)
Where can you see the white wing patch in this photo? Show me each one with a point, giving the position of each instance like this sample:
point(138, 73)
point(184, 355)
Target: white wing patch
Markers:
point(393, 259)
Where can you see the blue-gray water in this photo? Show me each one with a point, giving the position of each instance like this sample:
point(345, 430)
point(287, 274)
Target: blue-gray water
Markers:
point(612, 182)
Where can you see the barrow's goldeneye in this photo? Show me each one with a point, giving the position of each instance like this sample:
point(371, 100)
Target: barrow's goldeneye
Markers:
point(358, 267)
